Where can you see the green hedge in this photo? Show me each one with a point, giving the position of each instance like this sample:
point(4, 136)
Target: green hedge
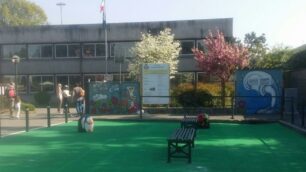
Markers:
point(211, 90)
point(29, 106)
point(42, 98)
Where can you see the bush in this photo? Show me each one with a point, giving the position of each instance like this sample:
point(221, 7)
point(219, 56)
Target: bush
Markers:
point(213, 89)
point(197, 98)
point(42, 98)
point(29, 106)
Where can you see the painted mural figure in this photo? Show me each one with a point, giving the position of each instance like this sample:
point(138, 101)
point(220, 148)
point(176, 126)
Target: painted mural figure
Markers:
point(264, 85)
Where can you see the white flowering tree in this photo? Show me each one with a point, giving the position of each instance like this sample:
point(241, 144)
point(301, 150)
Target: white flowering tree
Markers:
point(161, 48)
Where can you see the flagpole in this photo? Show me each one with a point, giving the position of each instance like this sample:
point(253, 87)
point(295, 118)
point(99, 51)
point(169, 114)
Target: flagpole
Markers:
point(105, 38)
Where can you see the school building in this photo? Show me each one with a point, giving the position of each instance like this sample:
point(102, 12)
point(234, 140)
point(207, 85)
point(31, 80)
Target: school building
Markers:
point(69, 54)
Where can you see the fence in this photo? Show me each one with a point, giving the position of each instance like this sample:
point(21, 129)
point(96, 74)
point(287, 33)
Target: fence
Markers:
point(295, 113)
point(246, 106)
point(29, 120)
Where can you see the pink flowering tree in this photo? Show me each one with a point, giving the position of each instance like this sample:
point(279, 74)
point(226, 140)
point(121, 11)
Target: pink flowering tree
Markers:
point(220, 58)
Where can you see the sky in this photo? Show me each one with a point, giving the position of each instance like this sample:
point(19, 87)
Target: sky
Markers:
point(282, 21)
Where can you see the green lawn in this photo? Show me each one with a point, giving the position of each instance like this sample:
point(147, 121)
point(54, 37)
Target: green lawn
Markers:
point(142, 146)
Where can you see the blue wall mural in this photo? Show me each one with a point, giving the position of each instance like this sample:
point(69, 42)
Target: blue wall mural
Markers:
point(113, 98)
point(259, 91)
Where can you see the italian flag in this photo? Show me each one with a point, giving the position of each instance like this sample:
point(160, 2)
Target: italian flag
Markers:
point(102, 6)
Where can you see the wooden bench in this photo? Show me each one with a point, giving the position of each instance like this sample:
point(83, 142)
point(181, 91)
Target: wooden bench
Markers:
point(189, 122)
point(180, 143)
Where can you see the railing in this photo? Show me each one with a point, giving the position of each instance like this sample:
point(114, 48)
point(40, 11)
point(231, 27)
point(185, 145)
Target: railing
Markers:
point(295, 113)
point(46, 117)
point(233, 106)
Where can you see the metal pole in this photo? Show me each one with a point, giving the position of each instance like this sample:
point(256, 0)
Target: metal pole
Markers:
point(27, 119)
point(66, 110)
point(61, 4)
point(105, 37)
point(16, 84)
point(233, 108)
point(120, 72)
point(48, 116)
point(16, 60)
point(140, 107)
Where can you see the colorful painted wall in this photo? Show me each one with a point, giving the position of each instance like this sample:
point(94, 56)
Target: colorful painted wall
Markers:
point(259, 91)
point(114, 98)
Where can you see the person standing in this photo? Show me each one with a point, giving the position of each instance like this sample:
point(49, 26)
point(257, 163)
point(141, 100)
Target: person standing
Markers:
point(59, 96)
point(11, 95)
point(18, 106)
point(78, 95)
point(66, 96)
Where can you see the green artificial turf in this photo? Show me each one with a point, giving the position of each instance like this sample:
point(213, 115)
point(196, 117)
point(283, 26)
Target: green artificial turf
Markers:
point(142, 146)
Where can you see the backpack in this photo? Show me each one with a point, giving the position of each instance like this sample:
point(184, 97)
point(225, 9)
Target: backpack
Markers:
point(11, 93)
point(82, 93)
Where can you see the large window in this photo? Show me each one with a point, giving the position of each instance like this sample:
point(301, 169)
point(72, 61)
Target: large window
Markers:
point(201, 46)
point(41, 83)
point(182, 78)
point(122, 50)
point(21, 82)
point(94, 77)
point(94, 50)
point(203, 77)
point(40, 51)
point(70, 80)
point(67, 50)
point(10, 50)
point(187, 46)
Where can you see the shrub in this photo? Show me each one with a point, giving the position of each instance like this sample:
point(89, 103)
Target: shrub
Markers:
point(42, 98)
point(29, 106)
point(213, 89)
point(193, 98)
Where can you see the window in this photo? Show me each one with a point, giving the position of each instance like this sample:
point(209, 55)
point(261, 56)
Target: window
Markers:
point(10, 50)
point(62, 80)
point(181, 78)
point(74, 50)
point(100, 50)
point(21, 82)
point(122, 49)
point(187, 46)
point(40, 51)
point(34, 51)
point(69, 80)
point(75, 79)
point(41, 83)
point(200, 45)
point(203, 77)
point(46, 51)
point(94, 77)
point(89, 50)
point(61, 50)
point(67, 50)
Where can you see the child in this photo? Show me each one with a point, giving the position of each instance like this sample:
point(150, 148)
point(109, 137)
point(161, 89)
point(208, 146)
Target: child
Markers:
point(18, 107)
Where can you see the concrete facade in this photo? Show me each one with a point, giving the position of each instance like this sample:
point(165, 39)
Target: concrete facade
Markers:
point(183, 30)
